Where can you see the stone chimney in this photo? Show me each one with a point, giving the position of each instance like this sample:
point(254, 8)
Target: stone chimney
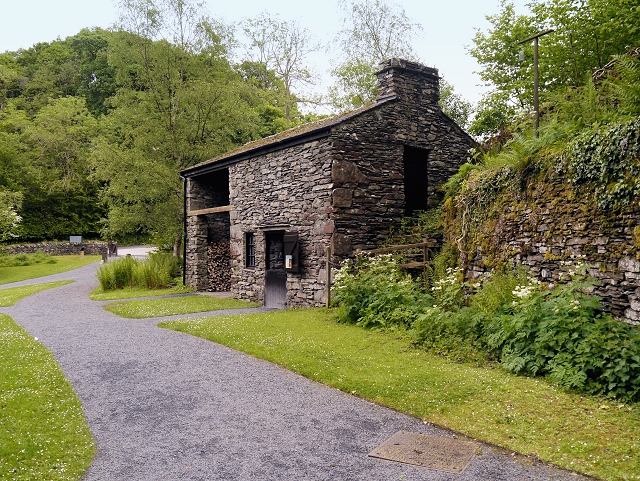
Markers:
point(408, 81)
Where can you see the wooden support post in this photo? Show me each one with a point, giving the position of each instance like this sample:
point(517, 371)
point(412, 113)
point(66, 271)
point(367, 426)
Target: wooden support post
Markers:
point(328, 281)
point(425, 259)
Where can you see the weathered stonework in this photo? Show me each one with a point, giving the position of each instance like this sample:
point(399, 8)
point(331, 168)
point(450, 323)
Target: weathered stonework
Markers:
point(58, 248)
point(269, 194)
point(553, 225)
point(339, 182)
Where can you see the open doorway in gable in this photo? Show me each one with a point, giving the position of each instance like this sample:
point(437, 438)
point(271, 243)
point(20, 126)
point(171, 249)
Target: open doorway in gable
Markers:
point(416, 179)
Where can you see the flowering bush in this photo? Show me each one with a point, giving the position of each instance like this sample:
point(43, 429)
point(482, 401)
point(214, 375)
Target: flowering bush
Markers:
point(9, 219)
point(448, 291)
point(531, 330)
point(562, 334)
point(374, 292)
point(511, 318)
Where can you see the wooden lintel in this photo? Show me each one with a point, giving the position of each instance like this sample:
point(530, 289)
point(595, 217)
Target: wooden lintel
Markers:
point(212, 210)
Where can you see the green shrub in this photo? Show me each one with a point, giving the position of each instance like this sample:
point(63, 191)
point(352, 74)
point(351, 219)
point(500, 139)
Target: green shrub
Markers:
point(511, 318)
point(156, 272)
point(376, 293)
point(456, 331)
point(560, 334)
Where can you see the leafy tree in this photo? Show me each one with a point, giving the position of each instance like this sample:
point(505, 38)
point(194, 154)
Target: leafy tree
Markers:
point(9, 76)
point(9, 219)
point(588, 33)
point(454, 106)
point(47, 161)
point(96, 77)
point(282, 47)
point(373, 31)
point(48, 70)
point(178, 102)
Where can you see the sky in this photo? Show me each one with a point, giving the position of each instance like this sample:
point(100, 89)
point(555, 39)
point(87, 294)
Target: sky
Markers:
point(448, 27)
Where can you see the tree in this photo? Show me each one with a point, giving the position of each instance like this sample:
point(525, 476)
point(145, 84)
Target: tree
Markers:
point(373, 31)
point(282, 47)
point(96, 77)
point(588, 33)
point(9, 219)
point(9, 76)
point(178, 102)
point(454, 106)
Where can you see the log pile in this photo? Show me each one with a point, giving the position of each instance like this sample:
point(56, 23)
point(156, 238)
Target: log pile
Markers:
point(219, 267)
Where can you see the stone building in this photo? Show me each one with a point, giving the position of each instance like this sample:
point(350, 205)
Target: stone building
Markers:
point(259, 218)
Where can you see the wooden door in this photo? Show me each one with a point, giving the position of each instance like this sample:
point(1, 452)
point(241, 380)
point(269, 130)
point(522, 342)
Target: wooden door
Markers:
point(275, 288)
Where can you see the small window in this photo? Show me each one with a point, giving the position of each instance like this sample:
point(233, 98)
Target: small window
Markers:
point(250, 244)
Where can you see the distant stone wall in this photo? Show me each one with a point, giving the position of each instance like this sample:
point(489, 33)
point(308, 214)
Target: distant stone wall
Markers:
point(553, 225)
point(58, 248)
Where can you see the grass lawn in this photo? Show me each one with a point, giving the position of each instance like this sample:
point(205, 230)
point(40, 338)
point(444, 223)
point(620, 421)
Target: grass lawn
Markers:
point(529, 416)
point(43, 431)
point(11, 295)
point(175, 305)
point(101, 295)
point(63, 263)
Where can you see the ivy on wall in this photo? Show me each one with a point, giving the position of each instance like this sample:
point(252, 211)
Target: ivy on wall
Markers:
point(607, 158)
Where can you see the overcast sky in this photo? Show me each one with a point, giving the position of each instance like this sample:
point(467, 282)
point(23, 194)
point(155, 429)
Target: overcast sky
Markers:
point(448, 27)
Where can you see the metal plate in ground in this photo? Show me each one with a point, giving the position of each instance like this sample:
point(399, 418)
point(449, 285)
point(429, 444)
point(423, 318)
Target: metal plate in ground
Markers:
point(433, 452)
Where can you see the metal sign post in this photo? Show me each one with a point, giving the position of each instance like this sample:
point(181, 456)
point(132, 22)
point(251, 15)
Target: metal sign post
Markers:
point(536, 77)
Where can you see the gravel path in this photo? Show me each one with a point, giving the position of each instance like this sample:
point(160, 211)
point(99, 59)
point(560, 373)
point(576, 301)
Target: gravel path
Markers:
point(163, 405)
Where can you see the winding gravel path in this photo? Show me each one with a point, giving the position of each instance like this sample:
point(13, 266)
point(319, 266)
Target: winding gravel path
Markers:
point(163, 405)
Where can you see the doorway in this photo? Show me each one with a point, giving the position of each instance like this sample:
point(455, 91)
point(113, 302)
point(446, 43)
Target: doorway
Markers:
point(275, 288)
point(416, 179)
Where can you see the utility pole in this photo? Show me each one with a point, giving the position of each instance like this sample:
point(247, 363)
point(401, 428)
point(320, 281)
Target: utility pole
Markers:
point(536, 77)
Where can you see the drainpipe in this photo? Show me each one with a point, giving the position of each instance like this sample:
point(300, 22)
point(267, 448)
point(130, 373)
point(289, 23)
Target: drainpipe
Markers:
point(184, 232)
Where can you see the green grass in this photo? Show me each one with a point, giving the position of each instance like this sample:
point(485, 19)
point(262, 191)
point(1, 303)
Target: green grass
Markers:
point(175, 305)
point(11, 295)
point(100, 294)
point(525, 415)
point(63, 263)
point(43, 431)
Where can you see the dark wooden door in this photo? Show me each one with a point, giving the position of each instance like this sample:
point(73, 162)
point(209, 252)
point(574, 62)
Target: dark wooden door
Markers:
point(275, 284)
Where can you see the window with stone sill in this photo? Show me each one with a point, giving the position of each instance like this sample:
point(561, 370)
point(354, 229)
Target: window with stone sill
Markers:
point(250, 250)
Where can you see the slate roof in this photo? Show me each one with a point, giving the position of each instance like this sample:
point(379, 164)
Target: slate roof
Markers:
point(288, 138)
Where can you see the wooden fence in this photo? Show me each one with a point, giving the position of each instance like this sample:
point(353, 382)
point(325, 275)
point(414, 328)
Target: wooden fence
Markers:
point(413, 252)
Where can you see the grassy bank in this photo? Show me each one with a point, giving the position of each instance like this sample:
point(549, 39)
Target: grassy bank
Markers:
point(175, 305)
point(11, 295)
point(526, 415)
point(43, 431)
point(62, 264)
point(100, 294)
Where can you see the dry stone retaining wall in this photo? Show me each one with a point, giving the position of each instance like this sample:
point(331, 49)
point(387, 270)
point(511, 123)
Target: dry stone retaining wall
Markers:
point(58, 248)
point(555, 226)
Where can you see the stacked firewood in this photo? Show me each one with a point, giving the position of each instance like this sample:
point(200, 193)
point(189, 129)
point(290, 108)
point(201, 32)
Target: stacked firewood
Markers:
point(219, 267)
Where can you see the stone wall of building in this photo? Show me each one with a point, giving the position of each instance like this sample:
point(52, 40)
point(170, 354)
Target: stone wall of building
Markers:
point(206, 266)
point(286, 190)
point(196, 272)
point(345, 190)
point(58, 248)
point(551, 229)
point(368, 170)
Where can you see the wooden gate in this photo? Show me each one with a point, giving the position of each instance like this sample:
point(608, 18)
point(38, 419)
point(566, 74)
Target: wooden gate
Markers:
point(275, 283)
